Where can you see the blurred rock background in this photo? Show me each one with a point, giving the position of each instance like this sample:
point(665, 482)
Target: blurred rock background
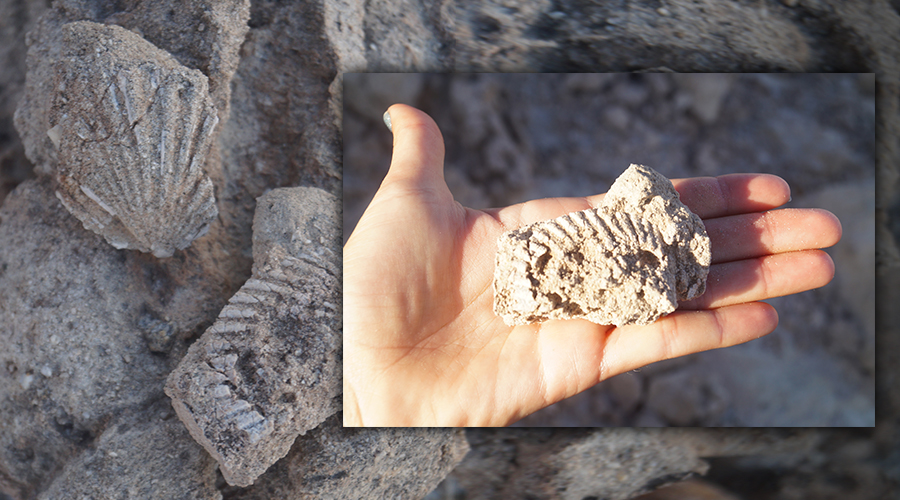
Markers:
point(516, 137)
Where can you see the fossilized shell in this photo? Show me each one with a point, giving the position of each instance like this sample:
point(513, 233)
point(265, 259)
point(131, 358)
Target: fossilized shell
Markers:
point(269, 368)
point(132, 127)
point(627, 262)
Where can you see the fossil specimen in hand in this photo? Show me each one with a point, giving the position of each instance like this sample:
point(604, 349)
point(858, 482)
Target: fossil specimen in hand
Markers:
point(132, 130)
point(269, 368)
point(627, 262)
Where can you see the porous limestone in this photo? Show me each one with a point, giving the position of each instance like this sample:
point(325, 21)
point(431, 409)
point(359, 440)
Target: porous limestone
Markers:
point(627, 262)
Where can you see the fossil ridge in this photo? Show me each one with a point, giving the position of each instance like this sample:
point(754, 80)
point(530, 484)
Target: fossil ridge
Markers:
point(269, 368)
point(626, 262)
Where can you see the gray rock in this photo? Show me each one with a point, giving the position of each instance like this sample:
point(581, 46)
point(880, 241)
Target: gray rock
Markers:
point(627, 390)
point(147, 455)
point(627, 262)
point(854, 205)
point(384, 89)
point(20, 17)
point(686, 397)
point(132, 129)
point(610, 463)
point(73, 354)
point(201, 34)
point(269, 368)
point(705, 93)
point(334, 462)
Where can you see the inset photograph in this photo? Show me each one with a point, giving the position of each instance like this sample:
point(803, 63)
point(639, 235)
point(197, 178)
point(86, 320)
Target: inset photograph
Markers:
point(641, 250)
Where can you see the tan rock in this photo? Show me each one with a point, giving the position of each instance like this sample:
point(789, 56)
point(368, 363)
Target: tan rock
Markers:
point(627, 262)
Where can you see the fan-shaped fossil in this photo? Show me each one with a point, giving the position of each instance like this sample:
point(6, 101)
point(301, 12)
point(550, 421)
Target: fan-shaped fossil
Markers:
point(627, 262)
point(132, 129)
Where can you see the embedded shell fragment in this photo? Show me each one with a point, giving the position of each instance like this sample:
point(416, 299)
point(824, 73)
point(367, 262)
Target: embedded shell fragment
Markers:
point(132, 131)
point(268, 370)
point(627, 262)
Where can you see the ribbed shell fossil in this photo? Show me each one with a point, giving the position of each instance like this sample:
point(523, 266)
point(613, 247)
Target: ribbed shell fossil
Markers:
point(269, 368)
point(627, 262)
point(132, 129)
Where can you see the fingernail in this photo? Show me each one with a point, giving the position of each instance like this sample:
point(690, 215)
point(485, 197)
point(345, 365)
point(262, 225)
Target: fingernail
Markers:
point(387, 121)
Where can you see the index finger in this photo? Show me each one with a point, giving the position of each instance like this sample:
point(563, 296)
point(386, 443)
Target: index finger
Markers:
point(732, 194)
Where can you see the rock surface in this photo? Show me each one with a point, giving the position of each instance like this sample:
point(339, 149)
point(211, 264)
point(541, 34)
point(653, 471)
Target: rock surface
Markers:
point(574, 464)
point(269, 368)
point(333, 462)
point(147, 455)
point(626, 262)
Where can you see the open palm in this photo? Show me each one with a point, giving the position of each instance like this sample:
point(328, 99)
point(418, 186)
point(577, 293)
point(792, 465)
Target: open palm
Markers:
point(422, 346)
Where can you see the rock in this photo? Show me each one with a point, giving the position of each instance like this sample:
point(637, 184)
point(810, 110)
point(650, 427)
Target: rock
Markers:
point(546, 36)
point(404, 36)
point(383, 90)
point(285, 130)
point(706, 93)
point(132, 130)
point(506, 167)
point(627, 262)
point(20, 18)
point(686, 397)
point(147, 455)
point(334, 462)
point(269, 368)
point(610, 463)
point(627, 390)
point(70, 302)
point(854, 205)
point(201, 34)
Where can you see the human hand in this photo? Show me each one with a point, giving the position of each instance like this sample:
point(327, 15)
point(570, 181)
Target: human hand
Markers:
point(423, 347)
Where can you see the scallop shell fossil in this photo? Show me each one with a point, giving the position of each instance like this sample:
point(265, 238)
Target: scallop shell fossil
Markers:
point(626, 262)
point(132, 130)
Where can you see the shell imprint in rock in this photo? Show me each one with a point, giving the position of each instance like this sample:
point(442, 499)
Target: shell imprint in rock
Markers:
point(132, 129)
point(269, 368)
point(627, 262)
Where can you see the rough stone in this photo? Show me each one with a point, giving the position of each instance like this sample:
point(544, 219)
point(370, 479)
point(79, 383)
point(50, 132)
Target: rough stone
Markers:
point(204, 35)
point(133, 129)
point(71, 306)
point(334, 462)
point(269, 368)
point(686, 397)
point(133, 458)
point(616, 464)
point(14, 166)
point(627, 262)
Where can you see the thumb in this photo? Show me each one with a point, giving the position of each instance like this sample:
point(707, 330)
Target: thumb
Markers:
point(417, 162)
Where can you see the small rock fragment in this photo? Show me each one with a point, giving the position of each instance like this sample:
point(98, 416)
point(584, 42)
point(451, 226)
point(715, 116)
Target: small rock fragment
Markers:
point(269, 368)
point(627, 262)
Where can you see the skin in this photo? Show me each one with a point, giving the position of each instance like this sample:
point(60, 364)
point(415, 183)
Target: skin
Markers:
point(422, 346)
